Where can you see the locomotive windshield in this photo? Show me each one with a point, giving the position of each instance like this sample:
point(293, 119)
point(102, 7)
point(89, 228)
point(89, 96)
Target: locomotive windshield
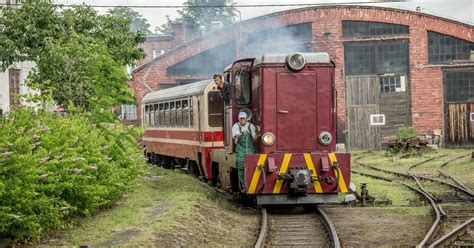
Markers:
point(242, 87)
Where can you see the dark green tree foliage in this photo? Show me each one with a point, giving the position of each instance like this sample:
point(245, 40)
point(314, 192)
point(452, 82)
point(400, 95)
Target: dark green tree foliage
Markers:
point(204, 12)
point(80, 55)
point(137, 22)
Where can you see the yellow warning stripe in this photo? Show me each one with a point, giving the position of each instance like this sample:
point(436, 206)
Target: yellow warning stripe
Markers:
point(309, 163)
point(283, 168)
point(341, 183)
point(256, 174)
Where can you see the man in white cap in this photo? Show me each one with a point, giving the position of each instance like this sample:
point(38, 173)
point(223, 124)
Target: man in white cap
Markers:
point(244, 135)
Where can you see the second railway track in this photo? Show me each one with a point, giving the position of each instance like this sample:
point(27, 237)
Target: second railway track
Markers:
point(301, 229)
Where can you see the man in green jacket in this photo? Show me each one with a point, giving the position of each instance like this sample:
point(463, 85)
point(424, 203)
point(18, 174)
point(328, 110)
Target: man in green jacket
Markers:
point(244, 135)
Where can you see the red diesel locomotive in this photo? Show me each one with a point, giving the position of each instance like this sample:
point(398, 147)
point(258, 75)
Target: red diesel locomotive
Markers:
point(292, 101)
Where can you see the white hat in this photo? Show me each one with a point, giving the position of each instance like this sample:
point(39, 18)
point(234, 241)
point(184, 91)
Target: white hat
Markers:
point(242, 115)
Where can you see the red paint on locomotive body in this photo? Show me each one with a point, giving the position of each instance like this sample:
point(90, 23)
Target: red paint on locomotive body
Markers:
point(297, 107)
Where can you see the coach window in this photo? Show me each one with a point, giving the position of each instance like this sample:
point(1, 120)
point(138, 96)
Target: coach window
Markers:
point(185, 113)
point(157, 114)
point(215, 109)
point(191, 110)
point(179, 114)
point(242, 87)
point(146, 114)
point(173, 114)
point(150, 109)
point(161, 115)
point(167, 114)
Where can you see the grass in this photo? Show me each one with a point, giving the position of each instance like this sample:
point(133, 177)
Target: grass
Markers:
point(395, 163)
point(380, 189)
point(462, 170)
point(154, 206)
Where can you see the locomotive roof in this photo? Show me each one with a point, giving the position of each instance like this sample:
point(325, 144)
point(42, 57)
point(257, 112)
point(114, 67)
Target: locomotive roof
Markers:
point(320, 58)
point(178, 91)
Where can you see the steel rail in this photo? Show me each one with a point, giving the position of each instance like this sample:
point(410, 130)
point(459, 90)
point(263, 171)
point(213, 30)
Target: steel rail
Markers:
point(444, 173)
point(263, 230)
point(434, 227)
point(327, 223)
point(330, 227)
point(453, 234)
point(456, 187)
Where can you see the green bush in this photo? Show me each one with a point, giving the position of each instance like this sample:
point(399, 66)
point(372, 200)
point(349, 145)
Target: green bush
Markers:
point(55, 168)
point(405, 133)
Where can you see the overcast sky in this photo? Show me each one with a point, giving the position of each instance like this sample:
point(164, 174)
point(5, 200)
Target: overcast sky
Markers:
point(460, 10)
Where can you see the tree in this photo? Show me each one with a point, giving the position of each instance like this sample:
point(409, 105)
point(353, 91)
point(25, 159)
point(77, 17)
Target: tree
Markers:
point(204, 12)
point(80, 55)
point(137, 22)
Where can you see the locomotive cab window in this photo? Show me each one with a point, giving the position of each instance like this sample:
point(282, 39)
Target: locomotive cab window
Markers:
point(215, 109)
point(242, 87)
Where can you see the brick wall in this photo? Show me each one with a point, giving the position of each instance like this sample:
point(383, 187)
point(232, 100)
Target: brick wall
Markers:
point(426, 81)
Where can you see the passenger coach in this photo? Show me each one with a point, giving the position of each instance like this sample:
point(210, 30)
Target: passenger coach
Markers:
point(182, 124)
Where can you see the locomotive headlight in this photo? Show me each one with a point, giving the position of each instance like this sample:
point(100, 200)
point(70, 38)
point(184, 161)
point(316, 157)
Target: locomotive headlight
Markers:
point(325, 138)
point(268, 138)
point(296, 61)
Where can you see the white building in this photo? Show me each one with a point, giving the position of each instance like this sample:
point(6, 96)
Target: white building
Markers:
point(12, 85)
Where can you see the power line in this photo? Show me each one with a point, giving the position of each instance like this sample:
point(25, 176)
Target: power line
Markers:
point(214, 6)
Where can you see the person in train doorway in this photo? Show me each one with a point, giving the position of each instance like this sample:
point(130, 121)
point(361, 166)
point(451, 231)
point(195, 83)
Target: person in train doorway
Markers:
point(244, 134)
point(223, 87)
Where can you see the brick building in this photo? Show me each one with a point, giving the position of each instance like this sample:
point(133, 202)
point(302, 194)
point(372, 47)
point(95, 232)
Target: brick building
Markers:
point(394, 67)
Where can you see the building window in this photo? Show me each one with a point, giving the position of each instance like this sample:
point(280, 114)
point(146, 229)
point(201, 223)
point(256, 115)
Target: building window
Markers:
point(129, 112)
point(14, 78)
point(377, 120)
point(158, 53)
point(444, 49)
point(369, 58)
point(216, 108)
point(390, 84)
point(459, 85)
point(361, 29)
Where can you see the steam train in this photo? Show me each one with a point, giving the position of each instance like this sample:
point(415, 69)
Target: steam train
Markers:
point(291, 98)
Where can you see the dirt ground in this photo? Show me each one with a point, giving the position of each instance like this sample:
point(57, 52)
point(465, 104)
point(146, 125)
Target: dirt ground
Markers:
point(211, 227)
point(378, 226)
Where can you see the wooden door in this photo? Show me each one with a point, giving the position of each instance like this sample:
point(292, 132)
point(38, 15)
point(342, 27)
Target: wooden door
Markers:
point(362, 94)
point(460, 124)
point(459, 107)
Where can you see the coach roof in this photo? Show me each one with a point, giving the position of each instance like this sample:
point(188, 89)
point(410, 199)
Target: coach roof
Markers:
point(191, 89)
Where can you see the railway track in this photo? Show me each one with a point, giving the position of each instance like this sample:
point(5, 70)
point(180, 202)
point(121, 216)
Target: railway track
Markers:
point(289, 229)
point(443, 217)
